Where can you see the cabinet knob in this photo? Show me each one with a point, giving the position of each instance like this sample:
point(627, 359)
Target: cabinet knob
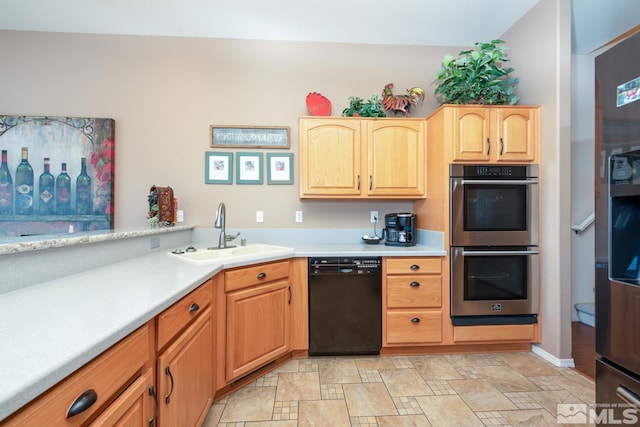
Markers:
point(261, 275)
point(415, 267)
point(194, 307)
point(82, 402)
point(414, 284)
point(415, 320)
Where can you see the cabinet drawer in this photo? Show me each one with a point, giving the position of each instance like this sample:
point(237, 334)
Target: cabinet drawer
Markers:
point(414, 327)
point(414, 291)
point(484, 333)
point(103, 377)
point(251, 276)
point(425, 265)
point(175, 318)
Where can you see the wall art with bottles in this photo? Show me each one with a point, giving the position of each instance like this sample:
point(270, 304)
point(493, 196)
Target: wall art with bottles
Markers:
point(56, 175)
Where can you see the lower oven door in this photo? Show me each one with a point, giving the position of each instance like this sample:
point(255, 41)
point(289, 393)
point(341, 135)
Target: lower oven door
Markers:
point(495, 281)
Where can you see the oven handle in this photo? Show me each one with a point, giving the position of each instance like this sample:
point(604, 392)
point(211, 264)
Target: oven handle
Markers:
point(497, 181)
point(498, 253)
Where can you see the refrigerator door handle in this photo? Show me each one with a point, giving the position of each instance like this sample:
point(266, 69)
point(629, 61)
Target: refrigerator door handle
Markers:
point(628, 396)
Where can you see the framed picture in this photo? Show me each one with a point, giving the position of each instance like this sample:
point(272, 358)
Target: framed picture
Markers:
point(248, 168)
point(218, 168)
point(279, 168)
point(249, 137)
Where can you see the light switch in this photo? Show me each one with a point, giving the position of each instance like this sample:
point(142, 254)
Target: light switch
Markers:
point(259, 216)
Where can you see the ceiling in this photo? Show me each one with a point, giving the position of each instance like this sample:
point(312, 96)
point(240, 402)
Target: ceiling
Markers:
point(402, 22)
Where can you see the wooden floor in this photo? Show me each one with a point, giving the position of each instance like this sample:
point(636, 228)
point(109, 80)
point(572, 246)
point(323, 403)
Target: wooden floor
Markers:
point(583, 344)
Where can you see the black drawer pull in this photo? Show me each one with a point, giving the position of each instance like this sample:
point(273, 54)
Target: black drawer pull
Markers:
point(153, 394)
point(414, 284)
point(82, 403)
point(415, 320)
point(194, 307)
point(415, 267)
point(261, 275)
point(167, 397)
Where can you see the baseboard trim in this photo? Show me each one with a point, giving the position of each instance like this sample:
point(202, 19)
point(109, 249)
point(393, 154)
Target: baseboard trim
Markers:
point(561, 363)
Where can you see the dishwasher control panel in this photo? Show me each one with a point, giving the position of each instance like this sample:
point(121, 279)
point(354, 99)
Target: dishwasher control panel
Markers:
point(344, 265)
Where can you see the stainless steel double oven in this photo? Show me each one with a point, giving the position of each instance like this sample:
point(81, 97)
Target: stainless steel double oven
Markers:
point(494, 244)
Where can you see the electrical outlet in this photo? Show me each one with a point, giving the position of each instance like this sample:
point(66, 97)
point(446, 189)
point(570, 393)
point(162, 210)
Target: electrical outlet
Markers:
point(298, 216)
point(180, 215)
point(259, 216)
point(374, 217)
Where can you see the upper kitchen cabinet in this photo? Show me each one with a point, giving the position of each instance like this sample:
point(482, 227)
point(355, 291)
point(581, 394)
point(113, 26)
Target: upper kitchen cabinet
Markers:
point(492, 134)
point(362, 158)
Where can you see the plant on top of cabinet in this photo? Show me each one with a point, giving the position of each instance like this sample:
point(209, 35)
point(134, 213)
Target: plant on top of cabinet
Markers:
point(477, 76)
point(358, 107)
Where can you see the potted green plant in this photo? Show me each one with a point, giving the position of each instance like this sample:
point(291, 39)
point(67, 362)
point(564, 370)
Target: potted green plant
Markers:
point(358, 107)
point(477, 76)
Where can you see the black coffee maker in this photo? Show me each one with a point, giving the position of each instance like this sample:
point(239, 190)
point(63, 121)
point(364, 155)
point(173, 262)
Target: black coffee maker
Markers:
point(399, 229)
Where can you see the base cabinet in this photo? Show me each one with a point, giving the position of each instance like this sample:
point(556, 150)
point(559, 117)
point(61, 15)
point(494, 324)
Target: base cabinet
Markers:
point(132, 408)
point(412, 301)
point(95, 392)
point(184, 376)
point(258, 320)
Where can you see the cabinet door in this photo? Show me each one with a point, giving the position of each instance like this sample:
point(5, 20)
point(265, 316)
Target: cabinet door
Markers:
point(133, 408)
point(184, 376)
point(516, 134)
point(330, 157)
point(396, 158)
point(257, 327)
point(471, 134)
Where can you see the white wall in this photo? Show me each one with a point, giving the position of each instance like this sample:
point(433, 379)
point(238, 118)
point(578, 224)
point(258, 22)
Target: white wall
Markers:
point(582, 177)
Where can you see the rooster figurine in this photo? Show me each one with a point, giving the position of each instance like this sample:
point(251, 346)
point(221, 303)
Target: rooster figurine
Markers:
point(401, 103)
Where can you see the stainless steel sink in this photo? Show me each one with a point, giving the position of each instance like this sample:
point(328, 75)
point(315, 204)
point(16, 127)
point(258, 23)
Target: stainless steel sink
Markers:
point(205, 255)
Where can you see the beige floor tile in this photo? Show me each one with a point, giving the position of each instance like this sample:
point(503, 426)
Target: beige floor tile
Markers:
point(506, 380)
point(298, 386)
point(549, 399)
point(271, 424)
point(250, 404)
point(368, 399)
point(580, 386)
point(530, 418)
point(405, 382)
point(528, 364)
point(213, 416)
point(323, 413)
point(403, 421)
point(448, 411)
point(473, 359)
point(374, 362)
point(481, 395)
point(435, 368)
point(337, 371)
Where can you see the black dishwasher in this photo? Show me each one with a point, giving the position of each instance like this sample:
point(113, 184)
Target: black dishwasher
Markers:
point(345, 306)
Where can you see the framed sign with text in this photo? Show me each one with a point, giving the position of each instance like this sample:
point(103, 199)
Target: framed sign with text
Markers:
point(249, 137)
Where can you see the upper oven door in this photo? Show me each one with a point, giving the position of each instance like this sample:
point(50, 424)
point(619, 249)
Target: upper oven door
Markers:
point(502, 212)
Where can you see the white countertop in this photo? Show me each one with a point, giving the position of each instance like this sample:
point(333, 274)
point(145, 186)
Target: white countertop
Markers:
point(51, 329)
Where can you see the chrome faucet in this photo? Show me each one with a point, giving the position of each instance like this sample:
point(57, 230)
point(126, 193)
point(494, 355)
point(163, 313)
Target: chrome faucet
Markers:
point(220, 221)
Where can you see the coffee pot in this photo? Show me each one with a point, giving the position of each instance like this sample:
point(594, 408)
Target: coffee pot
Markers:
point(400, 229)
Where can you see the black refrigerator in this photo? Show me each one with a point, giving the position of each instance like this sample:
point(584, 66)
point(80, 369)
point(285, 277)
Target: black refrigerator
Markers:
point(617, 244)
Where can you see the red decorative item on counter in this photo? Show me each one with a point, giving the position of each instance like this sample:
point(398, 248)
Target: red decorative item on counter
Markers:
point(318, 105)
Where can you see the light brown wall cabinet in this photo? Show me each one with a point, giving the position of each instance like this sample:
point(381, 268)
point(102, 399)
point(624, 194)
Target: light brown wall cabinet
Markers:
point(412, 303)
point(258, 310)
point(490, 134)
point(362, 158)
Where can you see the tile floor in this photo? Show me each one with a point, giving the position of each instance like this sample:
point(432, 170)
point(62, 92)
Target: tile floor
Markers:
point(501, 389)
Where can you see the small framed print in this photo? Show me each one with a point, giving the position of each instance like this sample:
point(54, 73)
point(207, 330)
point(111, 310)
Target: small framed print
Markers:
point(279, 168)
point(218, 168)
point(248, 168)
